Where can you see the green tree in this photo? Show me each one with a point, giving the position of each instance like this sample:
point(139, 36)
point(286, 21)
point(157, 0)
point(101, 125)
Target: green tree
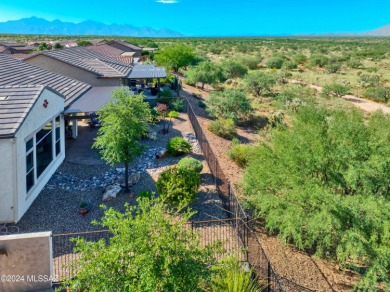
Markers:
point(229, 104)
point(275, 62)
point(124, 121)
point(57, 46)
point(380, 94)
point(43, 47)
point(233, 69)
point(259, 82)
point(175, 57)
point(83, 43)
point(151, 250)
point(204, 73)
point(319, 60)
point(324, 184)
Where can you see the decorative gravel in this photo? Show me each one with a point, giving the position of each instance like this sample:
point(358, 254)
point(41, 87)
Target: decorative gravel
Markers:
point(56, 208)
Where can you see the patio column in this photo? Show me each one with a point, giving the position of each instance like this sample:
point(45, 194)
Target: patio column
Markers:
point(75, 129)
point(158, 83)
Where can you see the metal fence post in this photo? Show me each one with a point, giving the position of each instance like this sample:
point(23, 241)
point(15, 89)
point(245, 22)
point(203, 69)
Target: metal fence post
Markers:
point(268, 276)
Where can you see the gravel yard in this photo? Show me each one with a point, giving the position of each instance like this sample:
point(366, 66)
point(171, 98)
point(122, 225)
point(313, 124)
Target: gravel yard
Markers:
point(56, 208)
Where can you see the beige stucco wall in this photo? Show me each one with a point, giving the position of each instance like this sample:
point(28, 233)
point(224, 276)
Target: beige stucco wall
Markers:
point(65, 69)
point(35, 120)
point(27, 264)
point(7, 180)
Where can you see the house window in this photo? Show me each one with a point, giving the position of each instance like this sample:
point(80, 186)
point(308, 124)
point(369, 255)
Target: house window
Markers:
point(30, 177)
point(41, 150)
point(58, 135)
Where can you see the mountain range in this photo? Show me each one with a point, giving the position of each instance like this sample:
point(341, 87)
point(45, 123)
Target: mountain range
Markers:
point(35, 25)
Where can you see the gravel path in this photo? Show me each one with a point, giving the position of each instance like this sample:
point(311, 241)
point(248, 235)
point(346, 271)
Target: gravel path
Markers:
point(56, 208)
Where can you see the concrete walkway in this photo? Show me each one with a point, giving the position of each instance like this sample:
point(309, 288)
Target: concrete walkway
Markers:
point(362, 103)
point(80, 150)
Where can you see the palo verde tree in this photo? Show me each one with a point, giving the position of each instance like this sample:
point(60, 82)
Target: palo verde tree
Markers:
point(151, 250)
point(124, 121)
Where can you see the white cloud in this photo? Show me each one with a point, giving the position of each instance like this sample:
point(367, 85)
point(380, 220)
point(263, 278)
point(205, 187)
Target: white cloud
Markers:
point(167, 1)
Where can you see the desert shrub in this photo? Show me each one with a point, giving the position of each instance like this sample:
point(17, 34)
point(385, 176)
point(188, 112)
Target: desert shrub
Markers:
point(372, 69)
point(224, 128)
point(146, 194)
point(323, 184)
point(229, 276)
point(293, 91)
point(251, 61)
point(178, 187)
point(173, 114)
point(354, 64)
point(259, 82)
point(233, 69)
point(201, 104)
point(275, 62)
point(369, 80)
point(239, 153)
point(335, 89)
point(294, 104)
point(333, 68)
point(319, 60)
point(300, 58)
point(165, 93)
point(189, 163)
point(380, 94)
point(178, 105)
point(178, 146)
point(290, 65)
point(276, 118)
point(229, 104)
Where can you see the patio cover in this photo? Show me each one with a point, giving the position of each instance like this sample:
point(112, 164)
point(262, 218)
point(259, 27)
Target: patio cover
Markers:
point(146, 72)
point(91, 101)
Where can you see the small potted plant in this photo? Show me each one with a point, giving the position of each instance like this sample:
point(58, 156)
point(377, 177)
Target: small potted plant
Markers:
point(83, 208)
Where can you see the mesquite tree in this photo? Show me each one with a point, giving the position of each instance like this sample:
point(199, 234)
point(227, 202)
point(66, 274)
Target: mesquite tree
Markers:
point(124, 121)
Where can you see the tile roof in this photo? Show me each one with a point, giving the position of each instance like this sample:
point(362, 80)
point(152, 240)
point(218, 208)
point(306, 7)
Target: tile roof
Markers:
point(91, 61)
point(15, 104)
point(111, 52)
point(147, 71)
point(126, 44)
point(16, 72)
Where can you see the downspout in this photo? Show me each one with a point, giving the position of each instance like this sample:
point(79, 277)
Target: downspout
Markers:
point(15, 193)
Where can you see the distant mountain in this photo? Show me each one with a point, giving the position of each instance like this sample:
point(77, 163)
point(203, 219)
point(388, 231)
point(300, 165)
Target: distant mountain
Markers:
point(383, 31)
point(35, 25)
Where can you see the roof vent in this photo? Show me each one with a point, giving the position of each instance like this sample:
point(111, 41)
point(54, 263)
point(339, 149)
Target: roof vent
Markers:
point(32, 76)
point(3, 98)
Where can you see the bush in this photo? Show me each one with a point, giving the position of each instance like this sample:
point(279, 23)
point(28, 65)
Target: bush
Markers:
point(233, 69)
point(276, 119)
point(173, 114)
point(201, 104)
point(151, 249)
point(290, 65)
point(259, 82)
point(354, 64)
point(178, 105)
point(229, 104)
point(224, 128)
point(191, 164)
point(178, 187)
point(239, 153)
point(146, 194)
point(178, 146)
point(323, 184)
point(335, 89)
point(275, 63)
point(165, 93)
point(319, 60)
point(380, 94)
point(333, 68)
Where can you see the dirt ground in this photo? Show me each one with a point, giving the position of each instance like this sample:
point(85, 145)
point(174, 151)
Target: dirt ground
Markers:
point(288, 262)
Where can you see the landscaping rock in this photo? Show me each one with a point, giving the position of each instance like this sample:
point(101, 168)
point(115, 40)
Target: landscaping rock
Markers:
point(111, 192)
point(134, 179)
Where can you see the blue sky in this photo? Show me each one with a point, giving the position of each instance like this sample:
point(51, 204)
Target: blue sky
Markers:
point(213, 18)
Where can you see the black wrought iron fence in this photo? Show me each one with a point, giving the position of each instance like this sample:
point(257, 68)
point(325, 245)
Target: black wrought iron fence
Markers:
point(255, 254)
point(224, 231)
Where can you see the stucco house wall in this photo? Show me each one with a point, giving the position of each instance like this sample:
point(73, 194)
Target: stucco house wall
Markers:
point(65, 69)
point(15, 181)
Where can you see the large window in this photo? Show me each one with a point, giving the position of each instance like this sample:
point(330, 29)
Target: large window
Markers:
point(41, 150)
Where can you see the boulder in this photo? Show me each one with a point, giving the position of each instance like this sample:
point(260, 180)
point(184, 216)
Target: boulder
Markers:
point(134, 179)
point(111, 192)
